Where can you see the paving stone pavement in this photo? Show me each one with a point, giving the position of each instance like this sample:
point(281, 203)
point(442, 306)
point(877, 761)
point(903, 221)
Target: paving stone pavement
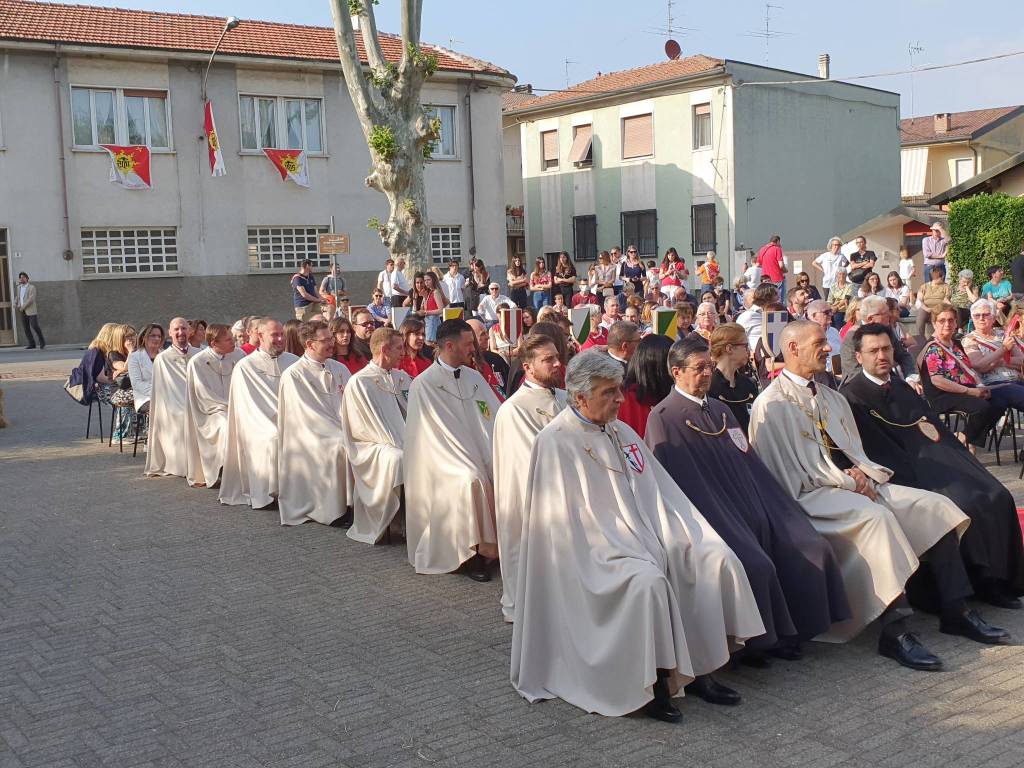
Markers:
point(144, 625)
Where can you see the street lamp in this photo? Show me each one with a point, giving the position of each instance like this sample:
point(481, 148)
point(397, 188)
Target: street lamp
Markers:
point(230, 23)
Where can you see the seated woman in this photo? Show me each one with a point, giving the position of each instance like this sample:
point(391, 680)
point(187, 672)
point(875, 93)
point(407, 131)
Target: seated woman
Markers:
point(381, 313)
point(852, 311)
point(95, 367)
point(341, 330)
point(996, 355)
point(140, 365)
point(123, 340)
point(840, 295)
point(731, 382)
point(896, 289)
point(705, 320)
point(871, 286)
point(647, 381)
point(950, 381)
point(962, 295)
point(998, 290)
point(933, 295)
point(803, 280)
point(415, 359)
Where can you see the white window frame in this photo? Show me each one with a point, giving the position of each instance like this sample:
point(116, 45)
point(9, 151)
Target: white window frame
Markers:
point(956, 170)
point(120, 116)
point(158, 230)
point(435, 154)
point(281, 123)
point(711, 123)
point(312, 253)
point(447, 253)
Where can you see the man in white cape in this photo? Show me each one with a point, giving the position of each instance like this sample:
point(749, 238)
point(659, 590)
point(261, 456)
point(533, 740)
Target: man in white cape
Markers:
point(449, 487)
point(520, 418)
point(208, 383)
point(373, 421)
point(250, 461)
point(807, 436)
point(624, 592)
point(313, 467)
point(166, 453)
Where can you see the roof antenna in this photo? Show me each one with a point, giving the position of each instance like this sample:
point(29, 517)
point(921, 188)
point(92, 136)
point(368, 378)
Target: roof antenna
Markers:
point(912, 50)
point(567, 62)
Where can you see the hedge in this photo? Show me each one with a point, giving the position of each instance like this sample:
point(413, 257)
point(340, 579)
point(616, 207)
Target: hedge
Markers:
point(985, 231)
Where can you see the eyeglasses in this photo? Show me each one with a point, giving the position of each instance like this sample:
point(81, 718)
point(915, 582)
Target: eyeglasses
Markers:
point(702, 368)
point(367, 325)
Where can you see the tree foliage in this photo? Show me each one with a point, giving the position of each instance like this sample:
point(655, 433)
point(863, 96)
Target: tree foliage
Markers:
point(985, 231)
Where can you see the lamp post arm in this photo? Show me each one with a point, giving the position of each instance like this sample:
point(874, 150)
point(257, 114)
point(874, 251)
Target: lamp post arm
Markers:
point(209, 64)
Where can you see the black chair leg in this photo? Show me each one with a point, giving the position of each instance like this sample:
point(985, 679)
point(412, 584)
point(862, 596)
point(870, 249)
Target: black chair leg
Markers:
point(110, 437)
point(88, 421)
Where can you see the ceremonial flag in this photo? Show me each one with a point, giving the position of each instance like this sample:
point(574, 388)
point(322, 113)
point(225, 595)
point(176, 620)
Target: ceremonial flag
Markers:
point(129, 166)
point(510, 320)
point(452, 313)
point(217, 167)
point(291, 164)
point(665, 322)
point(772, 325)
point(398, 315)
point(580, 317)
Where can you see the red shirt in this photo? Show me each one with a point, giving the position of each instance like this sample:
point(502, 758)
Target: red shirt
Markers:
point(770, 259)
point(353, 361)
point(247, 348)
point(584, 298)
point(845, 330)
point(597, 338)
point(414, 365)
point(487, 372)
point(633, 412)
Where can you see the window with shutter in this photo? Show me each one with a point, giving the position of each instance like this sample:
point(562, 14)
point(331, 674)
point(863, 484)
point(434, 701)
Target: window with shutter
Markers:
point(701, 126)
point(582, 152)
point(640, 228)
point(549, 150)
point(637, 136)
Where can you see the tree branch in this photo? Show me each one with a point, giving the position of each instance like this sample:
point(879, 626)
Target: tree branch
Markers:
point(368, 31)
point(352, 66)
point(412, 14)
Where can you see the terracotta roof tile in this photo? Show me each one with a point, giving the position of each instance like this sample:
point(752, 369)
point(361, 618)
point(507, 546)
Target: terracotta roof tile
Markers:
point(118, 27)
point(513, 99)
point(628, 78)
point(963, 125)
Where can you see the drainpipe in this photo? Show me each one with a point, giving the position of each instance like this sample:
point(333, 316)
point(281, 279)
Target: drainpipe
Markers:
point(472, 181)
point(68, 253)
point(977, 159)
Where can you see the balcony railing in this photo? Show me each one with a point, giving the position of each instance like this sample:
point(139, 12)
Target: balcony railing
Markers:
point(514, 224)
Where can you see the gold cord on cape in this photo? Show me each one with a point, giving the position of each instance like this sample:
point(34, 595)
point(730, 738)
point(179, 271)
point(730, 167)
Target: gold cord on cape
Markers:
point(695, 428)
point(880, 417)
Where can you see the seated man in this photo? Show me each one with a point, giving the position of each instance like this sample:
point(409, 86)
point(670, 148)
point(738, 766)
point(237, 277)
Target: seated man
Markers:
point(168, 410)
point(373, 420)
point(310, 434)
point(792, 569)
point(624, 593)
point(623, 339)
point(449, 486)
point(898, 429)
point(209, 379)
point(519, 419)
point(250, 463)
point(878, 529)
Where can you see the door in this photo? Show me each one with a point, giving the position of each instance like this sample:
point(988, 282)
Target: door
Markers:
point(6, 301)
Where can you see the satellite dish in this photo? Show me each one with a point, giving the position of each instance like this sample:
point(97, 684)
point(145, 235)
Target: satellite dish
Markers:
point(672, 50)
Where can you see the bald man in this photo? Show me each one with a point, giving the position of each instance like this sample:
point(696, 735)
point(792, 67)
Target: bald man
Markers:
point(167, 453)
point(877, 529)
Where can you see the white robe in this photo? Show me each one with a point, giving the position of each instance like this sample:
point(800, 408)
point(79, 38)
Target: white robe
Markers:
point(619, 575)
point(449, 486)
point(208, 385)
point(519, 420)
point(313, 468)
point(373, 416)
point(877, 543)
point(166, 453)
point(250, 461)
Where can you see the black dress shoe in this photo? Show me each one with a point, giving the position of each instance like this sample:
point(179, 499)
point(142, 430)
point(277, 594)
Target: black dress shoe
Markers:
point(31, 347)
point(476, 569)
point(755, 659)
point(661, 706)
point(345, 521)
point(787, 652)
point(712, 691)
point(908, 650)
point(970, 625)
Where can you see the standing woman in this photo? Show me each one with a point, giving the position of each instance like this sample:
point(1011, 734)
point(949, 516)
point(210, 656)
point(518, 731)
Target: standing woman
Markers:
point(540, 285)
point(730, 383)
point(708, 272)
point(632, 271)
point(565, 278)
point(140, 365)
point(433, 306)
point(517, 282)
point(673, 264)
point(476, 286)
point(418, 295)
point(603, 276)
point(414, 354)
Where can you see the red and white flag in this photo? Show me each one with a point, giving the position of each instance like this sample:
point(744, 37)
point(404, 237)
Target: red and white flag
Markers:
point(510, 320)
point(217, 167)
point(291, 164)
point(129, 166)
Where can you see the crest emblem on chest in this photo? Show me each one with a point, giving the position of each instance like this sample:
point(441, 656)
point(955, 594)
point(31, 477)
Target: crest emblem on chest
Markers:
point(634, 457)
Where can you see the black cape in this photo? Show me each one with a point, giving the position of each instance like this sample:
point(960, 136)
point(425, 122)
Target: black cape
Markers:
point(738, 397)
point(992, 546)
point(792, 569)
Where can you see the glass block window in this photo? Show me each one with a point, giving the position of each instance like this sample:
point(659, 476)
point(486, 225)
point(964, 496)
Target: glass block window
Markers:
point(285, 247)
point(129, 252)
point(445, 243)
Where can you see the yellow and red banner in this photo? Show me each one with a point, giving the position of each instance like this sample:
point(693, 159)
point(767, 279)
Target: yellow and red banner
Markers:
point(291, 164)
point(129, 166)
point(217, 167)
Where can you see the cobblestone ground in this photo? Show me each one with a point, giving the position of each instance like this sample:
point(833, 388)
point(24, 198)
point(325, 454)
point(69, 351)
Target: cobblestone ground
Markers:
point(142, 624)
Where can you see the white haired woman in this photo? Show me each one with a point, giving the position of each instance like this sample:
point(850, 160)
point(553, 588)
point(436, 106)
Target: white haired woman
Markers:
point(829, 262)
point(997, 356)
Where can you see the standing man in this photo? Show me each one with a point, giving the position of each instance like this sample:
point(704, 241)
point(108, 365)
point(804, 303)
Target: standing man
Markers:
point(373, 422)
point(449, 485)
point(773, 263)
point(208, 386)
point(393, 283)
point(310, 433)
point(305, 297)
point(168, 410)
point(455, 286)
point(331, 283)
point(519, 420)
point(862, 261)
point(934, 249)
point(25, 304)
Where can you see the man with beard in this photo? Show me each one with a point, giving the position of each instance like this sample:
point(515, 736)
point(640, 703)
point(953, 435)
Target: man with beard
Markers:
point(168, 420)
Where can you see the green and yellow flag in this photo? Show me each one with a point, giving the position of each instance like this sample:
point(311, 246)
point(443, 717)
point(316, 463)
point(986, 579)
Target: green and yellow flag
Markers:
point(665, 322)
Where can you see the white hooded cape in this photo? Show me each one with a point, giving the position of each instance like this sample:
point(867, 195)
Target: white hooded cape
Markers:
point(250, 461)
point(877, 543)
point(373, 417)
point(519, 420)
point(166, 452)
point(208, 385)
point(619, 575)
point(313, 468)
point(449, 487)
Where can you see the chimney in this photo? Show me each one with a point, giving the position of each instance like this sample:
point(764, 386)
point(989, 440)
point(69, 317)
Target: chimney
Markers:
point(823, 66)
point(942, 122)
